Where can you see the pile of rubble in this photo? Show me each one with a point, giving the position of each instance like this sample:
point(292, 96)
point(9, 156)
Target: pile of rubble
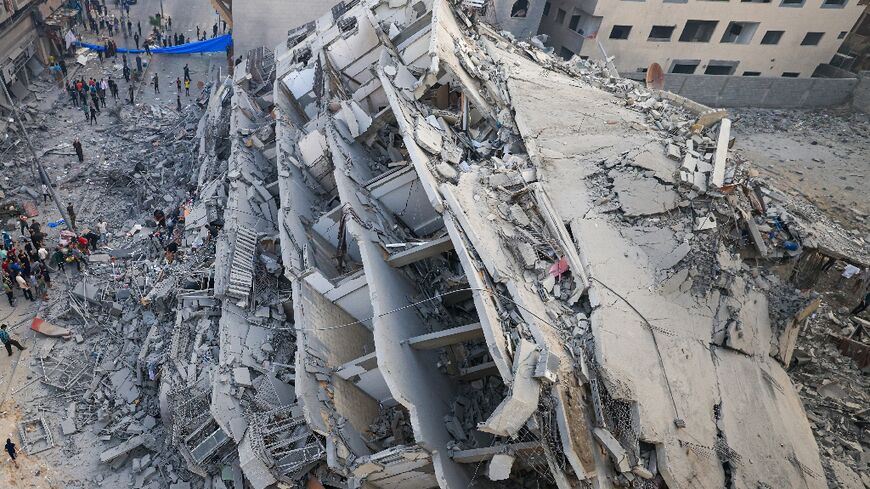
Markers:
point(464, 286)
point(419, 253)
point(114, 313)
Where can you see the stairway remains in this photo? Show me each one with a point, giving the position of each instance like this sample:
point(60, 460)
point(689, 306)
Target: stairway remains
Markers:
point(242, 266)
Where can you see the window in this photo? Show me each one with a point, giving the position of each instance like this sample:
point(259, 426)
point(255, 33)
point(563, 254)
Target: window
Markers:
point(572, 24)
point(560, 16)
point(547, 9)
point(566, 53)
point(841, 35)
point(661, 33)
point(520, 8)
point(751, 73)
point(739, 32)
point(698, 30)
point(715, 67)
point(792, 3)
point(812, 38)
point(772, 37)
point(790, 74)
point(620, 32)
point(685, 66)
point(834, 4)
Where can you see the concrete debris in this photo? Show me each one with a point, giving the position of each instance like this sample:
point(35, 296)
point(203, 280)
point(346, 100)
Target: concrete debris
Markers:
point(402, 248)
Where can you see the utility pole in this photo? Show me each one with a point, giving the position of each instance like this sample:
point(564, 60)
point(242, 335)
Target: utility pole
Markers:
point(42, 173)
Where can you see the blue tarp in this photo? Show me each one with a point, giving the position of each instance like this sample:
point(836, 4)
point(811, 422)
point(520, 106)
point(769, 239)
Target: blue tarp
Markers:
point(213, 45)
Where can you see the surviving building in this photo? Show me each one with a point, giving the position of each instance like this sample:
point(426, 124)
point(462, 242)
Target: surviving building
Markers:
point(20, 41)
point(740, 37)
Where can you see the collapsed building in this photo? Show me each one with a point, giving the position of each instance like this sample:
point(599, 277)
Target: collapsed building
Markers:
point(449, 259)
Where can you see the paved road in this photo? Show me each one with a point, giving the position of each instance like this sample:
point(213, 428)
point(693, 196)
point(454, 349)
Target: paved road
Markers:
point(186, 16)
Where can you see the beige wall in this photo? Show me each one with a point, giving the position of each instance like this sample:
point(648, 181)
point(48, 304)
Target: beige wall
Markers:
point(770, 60)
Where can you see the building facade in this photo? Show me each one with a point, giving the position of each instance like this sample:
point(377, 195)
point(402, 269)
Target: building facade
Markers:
point(23, 48)
point(720, 37)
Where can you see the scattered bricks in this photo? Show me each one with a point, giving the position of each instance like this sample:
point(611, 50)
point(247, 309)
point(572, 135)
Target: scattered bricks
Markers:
point(674, 152)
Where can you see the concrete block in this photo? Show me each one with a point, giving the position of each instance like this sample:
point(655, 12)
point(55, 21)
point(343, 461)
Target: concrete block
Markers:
point(242, 376)
point(499, 467)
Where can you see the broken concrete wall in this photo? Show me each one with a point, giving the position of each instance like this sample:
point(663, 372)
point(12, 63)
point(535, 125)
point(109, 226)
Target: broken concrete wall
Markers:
point(662, 326)
point(773, 92)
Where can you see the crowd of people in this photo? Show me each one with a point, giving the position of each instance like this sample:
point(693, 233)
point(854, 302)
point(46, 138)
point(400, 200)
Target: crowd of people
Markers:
point(27, 264)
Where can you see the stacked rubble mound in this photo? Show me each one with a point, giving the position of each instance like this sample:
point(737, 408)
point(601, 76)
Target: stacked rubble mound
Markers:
point(445, 259)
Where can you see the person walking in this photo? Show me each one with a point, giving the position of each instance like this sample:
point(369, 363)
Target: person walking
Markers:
point(71, 212)
point(93, 119)
point(130, 91)
point(187, 87)
point(136, 39)
point(8, 342)
point(11, 450)
point(139, 27)
point(186, 72)
point(178, 84)
point(77, 145)
point(156, 81)
point(178, 102)
point(45, 193)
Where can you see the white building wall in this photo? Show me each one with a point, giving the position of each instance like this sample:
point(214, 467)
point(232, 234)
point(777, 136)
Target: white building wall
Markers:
point(266, 22)
point(637, 51)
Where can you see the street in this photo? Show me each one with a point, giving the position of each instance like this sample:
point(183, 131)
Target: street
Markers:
point(123, 135)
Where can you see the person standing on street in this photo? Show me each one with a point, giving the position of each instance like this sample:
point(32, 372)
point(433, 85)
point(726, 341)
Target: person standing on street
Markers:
point(178, 102)
point(156, 81)
point(187, 87)
point(136, 39)
point(186, 72)
point(22, 224)
point(8, 290)
point(45, 194)
point(77, 145)
point(214, 30)
point(25, 288)
point(71, 212)
point(139, 27)
point(130, 90)
point(93, 119)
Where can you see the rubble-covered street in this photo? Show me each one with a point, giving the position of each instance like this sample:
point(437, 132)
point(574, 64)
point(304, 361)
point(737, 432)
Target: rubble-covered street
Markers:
point(406, 250)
